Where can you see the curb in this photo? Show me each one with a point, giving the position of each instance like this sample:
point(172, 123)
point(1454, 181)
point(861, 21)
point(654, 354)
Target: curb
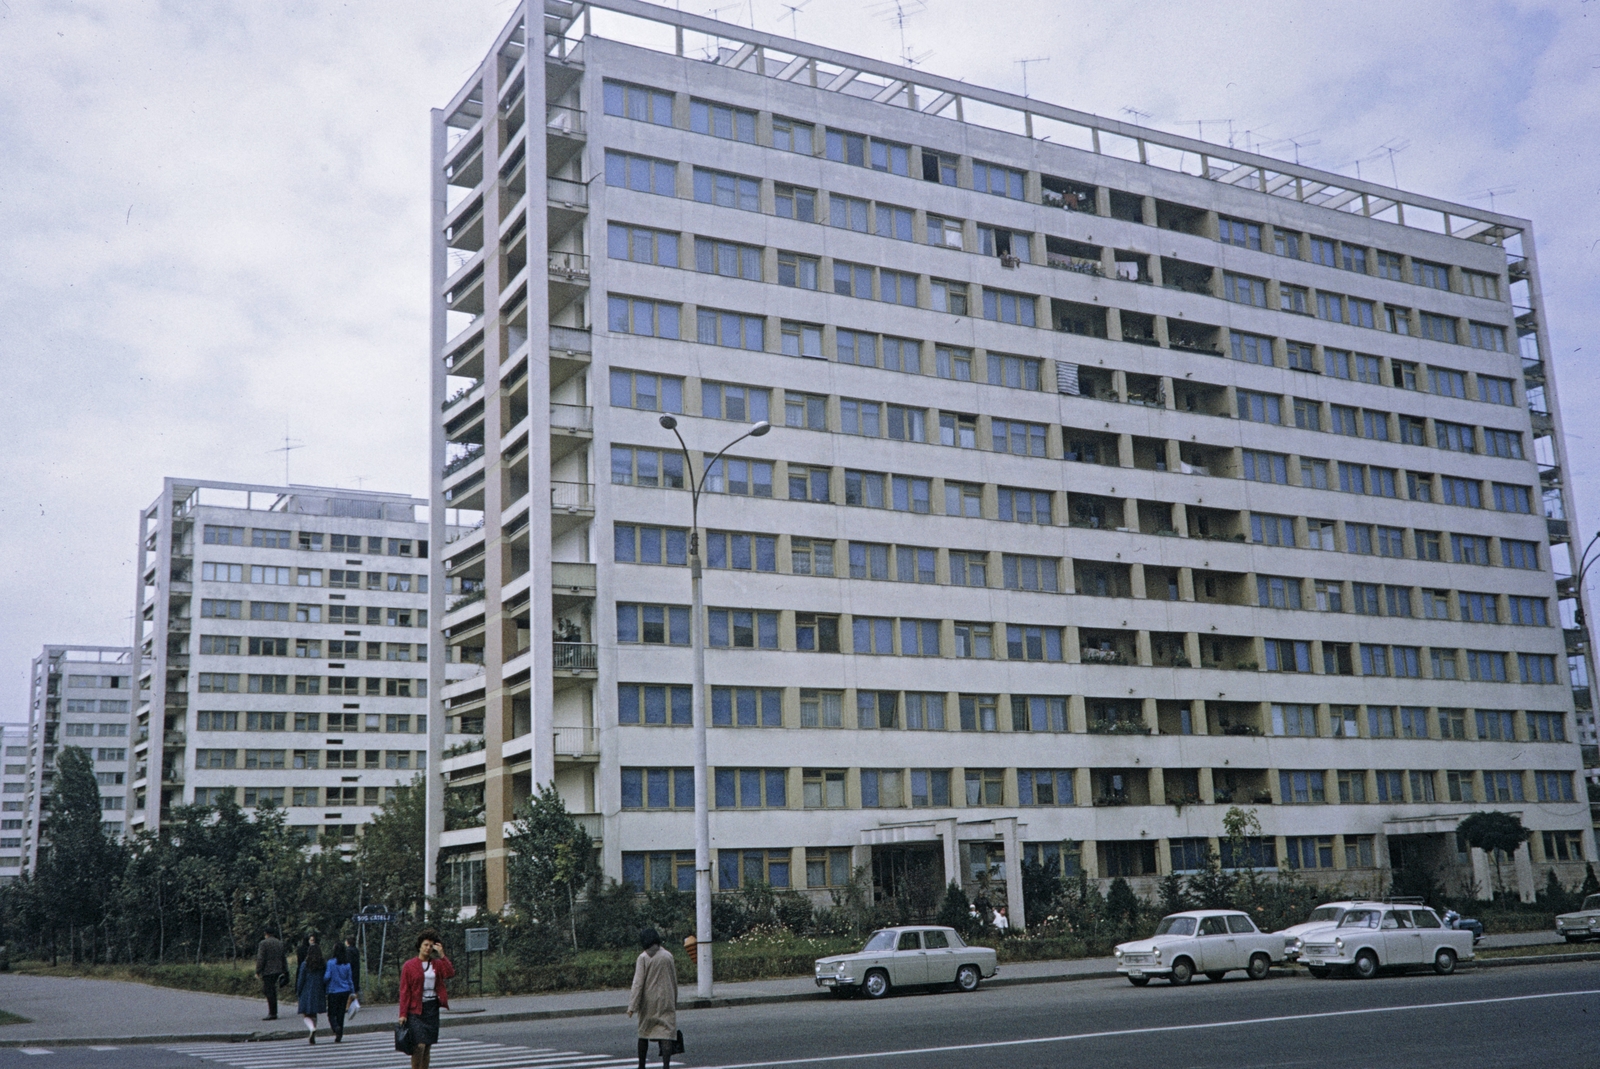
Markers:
point(459, 1018)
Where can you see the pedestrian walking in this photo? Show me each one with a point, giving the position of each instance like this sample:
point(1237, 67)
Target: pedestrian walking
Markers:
point(1001, 921)
point(311, 987)
point(349, 954)
point(655, 998)
point(271, 965)
point(337, 978)
point(422, 994)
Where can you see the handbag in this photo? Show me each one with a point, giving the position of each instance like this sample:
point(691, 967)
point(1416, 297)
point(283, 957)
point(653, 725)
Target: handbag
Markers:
point(678, 1043)
point(353, 1008)
point(405, 1040)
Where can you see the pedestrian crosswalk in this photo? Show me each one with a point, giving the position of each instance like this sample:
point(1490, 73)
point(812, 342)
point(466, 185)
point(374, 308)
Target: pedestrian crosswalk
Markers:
point(376, 1051)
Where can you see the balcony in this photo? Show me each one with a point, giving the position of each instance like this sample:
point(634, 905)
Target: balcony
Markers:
point(571, 504)
point(577, 657)
point(569, 266)
point(462, 461)
point(1577, 640)
point(572, 577)
point(562, 121)
point(570, 353)
point(1560, 530)
point(577, 743)
point(591, 823)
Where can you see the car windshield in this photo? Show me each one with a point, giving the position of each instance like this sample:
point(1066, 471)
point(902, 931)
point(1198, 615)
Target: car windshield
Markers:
point(880, 940)
point(1175, 926)
point(1325, 913)
point(1359, 918)
point(1592, 902)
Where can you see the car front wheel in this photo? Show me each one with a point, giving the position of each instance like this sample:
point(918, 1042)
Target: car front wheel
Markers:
point(876, 984)
point(1182, 972)
point(1366, 966)
point(967, 977)
point(1444, 962)
point(1260, 964)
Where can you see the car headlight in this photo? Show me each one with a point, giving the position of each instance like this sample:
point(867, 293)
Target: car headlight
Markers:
point(1339, 943)
point(1158, 953)
point(1117, 952)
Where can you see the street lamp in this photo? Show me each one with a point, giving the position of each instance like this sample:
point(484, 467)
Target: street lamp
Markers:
point(702, 812)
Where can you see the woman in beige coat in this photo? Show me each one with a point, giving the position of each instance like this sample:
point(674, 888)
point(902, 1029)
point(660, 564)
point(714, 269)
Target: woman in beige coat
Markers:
point(655, 998)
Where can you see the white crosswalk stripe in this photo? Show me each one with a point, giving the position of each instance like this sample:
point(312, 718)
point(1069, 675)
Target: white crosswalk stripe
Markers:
point(376, 1051)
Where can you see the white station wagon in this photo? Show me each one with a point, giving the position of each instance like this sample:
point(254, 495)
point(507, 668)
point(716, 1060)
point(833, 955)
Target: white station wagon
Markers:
point(1370, 937)
point(1584, 924)
point(1210, 941)
point(906, 957)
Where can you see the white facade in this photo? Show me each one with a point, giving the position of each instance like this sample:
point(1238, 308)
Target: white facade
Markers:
point(1029, 568)
point(13, 799)
point(283, 637)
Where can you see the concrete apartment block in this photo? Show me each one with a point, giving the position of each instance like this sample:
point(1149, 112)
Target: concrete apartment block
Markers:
point(284, 654)
point(13, 799)
point(1116, 479)
point(78, 696)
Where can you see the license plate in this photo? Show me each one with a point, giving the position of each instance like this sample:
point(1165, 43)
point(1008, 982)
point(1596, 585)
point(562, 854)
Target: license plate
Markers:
point(828, 981)
point(1314, 961)
point(1135, 972)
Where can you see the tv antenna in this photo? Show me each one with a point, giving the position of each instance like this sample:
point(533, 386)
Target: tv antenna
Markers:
point(1498, 191)
point(1023, 63)
point(794, 17)
point(1399, 144)
point(289, 445)
point(900, 12)
point(1142, 117)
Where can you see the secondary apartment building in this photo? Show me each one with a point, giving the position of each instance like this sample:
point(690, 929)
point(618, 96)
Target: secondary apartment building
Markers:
point(77, 696)
point(1116, 478)
point(283, 642)
point(13, 800)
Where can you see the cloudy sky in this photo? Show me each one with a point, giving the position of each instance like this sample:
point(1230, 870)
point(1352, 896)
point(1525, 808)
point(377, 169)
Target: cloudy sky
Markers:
point(213, 216)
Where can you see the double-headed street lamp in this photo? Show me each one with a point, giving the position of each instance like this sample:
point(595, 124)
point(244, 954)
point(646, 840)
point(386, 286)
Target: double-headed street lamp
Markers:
point(702, 812)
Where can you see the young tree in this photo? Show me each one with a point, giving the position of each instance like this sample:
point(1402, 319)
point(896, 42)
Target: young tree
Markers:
point(551, 858)
point(1496, 833)
point(79, 863)
point(390, 854)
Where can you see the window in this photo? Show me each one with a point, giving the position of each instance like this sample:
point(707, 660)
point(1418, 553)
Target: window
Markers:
point(873, 634)
point(799, 339)
point(1243, 289)
point(1537, 667)
point(655, 871)
point(1513, 553)
point(1294, 299)
point(638, 102)
point(847, 213)
point(881, 788)
point(1001, 181)
point(865, 488)
point(727, 190)
point(1240, 233)
point(1479, 608)
point(1562, 845)
point(950, 297)
point(657, 788)
point(646, 467)
point(641, 245)
point(790, 135)
point(738, 552)
point(1301, 788)
point(1529, 612)
point(1251, 349)
point(721, 400)
point(1337, 362)
point(719, 120)
point(1294, 720)
point(821, 708)
point(1512, 498)
point(1375, 662)
point(968, 568)
point(963, 499)
point(822, 788)
point(1466, 493)
point(797, 270)
point(893, 222)
point(1308, 415)
point(641, 173)
point(944, 232)
point(1438, 328)
point(1496, 391)
point(730, 329)
point(641, 703)
point(216, 758)
point(653, 624)
point(1017, 372)
point(1287, 655)
point(1025, 643)
point(985, 786)
point(741, 629)
point(1506, 444)
point(938, 167)
point(1486, 666)
point(810, 556)
point(749, 788)
point(796, 202)
point(897, 287)
point(726, 258)
point(877, 709)
point(817, 632)
point(1266, 467)
point(1330, 595)
point(1024, 573)
point(1024, 506)
point(1487, 336)
point(1277, 592)
point(974, 640)
point(1260, 407)
point(1006, 307)
point(1434, 276)
point(1502, 786)
point(852, 280)
point(1269, 530)
point(1554, 787)
point(1044, 786)
point(633, 315)
point(223, 536)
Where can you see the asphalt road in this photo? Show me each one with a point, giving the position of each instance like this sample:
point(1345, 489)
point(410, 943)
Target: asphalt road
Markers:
point(1545, 1015)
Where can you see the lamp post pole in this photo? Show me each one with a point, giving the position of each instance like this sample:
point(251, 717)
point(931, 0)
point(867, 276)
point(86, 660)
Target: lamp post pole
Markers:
point(702, 809)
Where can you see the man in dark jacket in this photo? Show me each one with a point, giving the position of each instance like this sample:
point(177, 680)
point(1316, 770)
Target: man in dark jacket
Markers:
point(271, 964)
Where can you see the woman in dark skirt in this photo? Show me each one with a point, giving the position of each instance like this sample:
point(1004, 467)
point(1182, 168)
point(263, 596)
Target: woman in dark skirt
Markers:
point(311, 986)
point(422, 993)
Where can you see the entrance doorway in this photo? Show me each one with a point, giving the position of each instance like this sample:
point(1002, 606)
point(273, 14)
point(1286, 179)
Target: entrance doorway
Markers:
point(909, 877)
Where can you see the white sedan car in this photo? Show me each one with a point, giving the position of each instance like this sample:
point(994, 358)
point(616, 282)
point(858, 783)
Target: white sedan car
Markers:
point(1370, 937)
point(1210, 941)
point(1324, 916)
point(906, 957)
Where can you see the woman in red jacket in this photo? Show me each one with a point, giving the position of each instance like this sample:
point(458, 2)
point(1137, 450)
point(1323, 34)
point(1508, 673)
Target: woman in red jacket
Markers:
point(422, 993)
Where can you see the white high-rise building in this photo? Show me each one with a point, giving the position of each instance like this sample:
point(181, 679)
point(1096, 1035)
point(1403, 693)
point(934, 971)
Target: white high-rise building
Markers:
point(13, 799)
point(283, 643)
point(78, 696)
point(1117, 479)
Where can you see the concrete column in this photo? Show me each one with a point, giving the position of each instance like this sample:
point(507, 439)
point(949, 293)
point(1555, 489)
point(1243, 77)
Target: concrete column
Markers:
point(1522, 861)
point(1147, 210)
point(1180, 513)
point(1013, 848)
point(952, 851)
point(1482, 875)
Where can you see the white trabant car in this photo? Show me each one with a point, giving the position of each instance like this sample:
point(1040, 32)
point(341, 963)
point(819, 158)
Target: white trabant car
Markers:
point(1324, 916)
point(1372, 936)
point(1584, 924)
point(914, 956)
point(1210, 941)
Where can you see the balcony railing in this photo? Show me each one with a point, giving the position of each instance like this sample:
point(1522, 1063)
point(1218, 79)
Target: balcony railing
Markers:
point(571, 340)
point(462, 461)
point(572, 575)
point(570, 265)
point(572, 497)
point(577, 656)
point(571, 194)
point(577, 742)
point(562, 120)
point(571, 417)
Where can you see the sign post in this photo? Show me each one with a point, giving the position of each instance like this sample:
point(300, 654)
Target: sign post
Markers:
point(477, 943)
point(375, 915)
